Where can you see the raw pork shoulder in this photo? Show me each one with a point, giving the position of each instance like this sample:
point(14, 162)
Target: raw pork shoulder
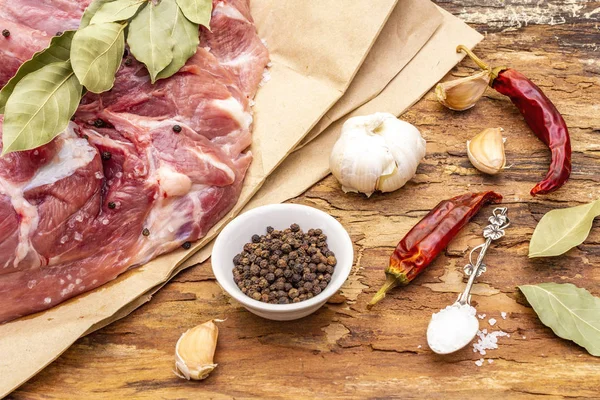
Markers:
point(141, 169)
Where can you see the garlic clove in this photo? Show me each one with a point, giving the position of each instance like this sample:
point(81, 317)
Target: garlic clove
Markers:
point(462, 94)
point(486, 151)
point(195, 351)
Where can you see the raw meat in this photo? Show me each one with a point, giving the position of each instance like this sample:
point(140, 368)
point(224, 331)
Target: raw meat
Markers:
point(121, 186)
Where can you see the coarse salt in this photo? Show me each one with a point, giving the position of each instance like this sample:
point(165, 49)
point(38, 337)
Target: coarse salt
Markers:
point(266, 77)
point(481, 316)
point(452, 328)
point(487, 341)
point(492, 321)
point(479, 362)
point(490, 361)
point(503, 315)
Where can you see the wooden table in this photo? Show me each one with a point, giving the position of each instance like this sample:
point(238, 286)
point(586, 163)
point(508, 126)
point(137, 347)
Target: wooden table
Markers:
point(343, 351)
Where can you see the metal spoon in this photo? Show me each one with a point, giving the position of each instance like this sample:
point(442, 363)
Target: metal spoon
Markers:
point(498, 223)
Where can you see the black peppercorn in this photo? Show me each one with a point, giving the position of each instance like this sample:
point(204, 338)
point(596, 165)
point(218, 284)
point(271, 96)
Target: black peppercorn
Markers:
point(177, 129)
point(99, 123)
point(186, 245)
point(128, 62)
point(284, 266)
point(106, 155)
point(5, 33)
point(112, 205)
point(146, 232)
point(59, 33)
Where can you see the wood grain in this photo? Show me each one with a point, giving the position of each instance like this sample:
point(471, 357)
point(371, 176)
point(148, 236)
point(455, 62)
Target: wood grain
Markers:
point(343, 351)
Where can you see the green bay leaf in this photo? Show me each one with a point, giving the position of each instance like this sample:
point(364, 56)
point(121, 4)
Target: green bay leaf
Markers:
point(197, 11)
point(89, 12)
point(571, 312)
point(118, 10)
point(96, 55)
point(58, 50)
point(560, 230)
point(149, 39)
point(40, 107)
point(185, 36)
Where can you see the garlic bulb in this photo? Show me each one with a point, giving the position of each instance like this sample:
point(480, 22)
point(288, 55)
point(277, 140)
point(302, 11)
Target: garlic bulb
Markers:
point(376, 152)
point(486, 151)
point(462, 94)
point(195, 350)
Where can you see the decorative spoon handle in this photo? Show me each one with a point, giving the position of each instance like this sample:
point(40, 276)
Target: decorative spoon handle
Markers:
point(498, 223)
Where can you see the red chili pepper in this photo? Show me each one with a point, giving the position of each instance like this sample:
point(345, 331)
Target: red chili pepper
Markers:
point(429, 237)
point(540, 114)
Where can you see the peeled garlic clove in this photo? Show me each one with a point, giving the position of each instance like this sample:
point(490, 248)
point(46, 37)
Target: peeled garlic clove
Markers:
point(486, 151)
point(462, 94)
point(195, 351)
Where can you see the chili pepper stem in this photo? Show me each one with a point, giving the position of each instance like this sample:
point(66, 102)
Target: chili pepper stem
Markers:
point(472, 56)
point(493, 72)
point(390, 283)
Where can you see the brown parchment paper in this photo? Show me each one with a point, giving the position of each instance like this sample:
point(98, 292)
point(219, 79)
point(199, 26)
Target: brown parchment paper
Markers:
point(409, 27)
point(316, 51)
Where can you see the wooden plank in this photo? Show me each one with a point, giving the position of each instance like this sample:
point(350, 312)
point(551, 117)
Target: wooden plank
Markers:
point(343, 351)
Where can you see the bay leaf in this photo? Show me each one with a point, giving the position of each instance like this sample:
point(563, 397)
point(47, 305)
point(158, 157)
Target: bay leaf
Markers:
point(96, 54)
point(560, 230)
point(40, 107)
point(118, 10)
point(89, 12)
point(149, 39)
point(184, 34)
point(58, 50)
point(197, 11)
point(571, 312)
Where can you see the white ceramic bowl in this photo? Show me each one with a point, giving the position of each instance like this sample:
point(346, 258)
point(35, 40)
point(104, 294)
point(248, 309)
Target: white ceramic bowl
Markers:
point(280, 216)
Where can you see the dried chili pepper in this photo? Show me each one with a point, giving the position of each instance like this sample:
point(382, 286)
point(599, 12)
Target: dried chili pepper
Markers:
point(540, 114)
point(429, 237)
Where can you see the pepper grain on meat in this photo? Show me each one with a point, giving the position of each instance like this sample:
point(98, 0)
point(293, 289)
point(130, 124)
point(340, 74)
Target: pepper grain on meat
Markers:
point(540, 114)
point(5, 33)
point(429, 237)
